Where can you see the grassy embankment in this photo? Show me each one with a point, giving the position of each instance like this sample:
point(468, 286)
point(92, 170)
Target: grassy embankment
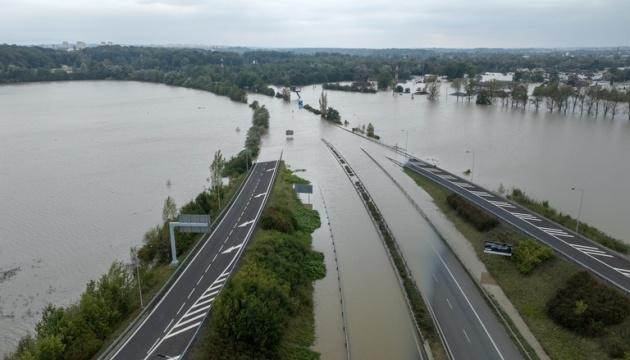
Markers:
point(266, 308)
point(531, 292)
point(544, 209)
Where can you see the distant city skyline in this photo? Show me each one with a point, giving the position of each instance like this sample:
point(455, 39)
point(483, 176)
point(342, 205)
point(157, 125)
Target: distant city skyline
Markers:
point(325, 23)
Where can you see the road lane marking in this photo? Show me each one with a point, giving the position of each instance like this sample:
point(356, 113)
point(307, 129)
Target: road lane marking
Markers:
point(153, 346)
point(191, 292)
point(230, 249)
point(502, 204)
point(209, 294)
point(167, 326)
point(170, 335)
point(525, 216)
point(624, 272)
point(449, 304)
point(259, 195)
point(481, 193)
point(180, 308)
point(188, 321)
point(469, 304)
point(463, 184)
point(555, 232)
point(246, 223)
point(466, 335)
point(434, 278)
point(196, 311)
point(202, 303)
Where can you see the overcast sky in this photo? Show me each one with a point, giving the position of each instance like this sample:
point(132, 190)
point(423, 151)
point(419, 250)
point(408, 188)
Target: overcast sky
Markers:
point(320, 23)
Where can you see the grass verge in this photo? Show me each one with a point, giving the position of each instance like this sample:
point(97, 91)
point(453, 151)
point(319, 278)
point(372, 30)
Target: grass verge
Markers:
point(528, 293)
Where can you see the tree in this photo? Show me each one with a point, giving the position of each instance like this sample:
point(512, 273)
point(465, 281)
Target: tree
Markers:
point(323, 104)
point(457, 84)
point(519, 95)
point(471, 84)
point(370, 130)
point(216, 175)
point(433, 90)
point(169, 210)
point(50, 348)
point(484, 97)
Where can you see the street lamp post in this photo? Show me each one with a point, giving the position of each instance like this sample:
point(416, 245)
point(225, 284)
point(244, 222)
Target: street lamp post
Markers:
point(406, 142)
point(577, 224)
point(472, 171)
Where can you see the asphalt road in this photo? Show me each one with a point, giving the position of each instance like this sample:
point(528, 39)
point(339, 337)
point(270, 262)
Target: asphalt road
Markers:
point(608, 265)
point(169, 328)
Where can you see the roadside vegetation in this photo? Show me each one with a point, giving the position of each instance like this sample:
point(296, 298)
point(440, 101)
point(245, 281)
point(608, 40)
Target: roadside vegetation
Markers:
point(560, 303)
point(266, 308)
point(79, 331)
point(546, 210)
point(362, 87)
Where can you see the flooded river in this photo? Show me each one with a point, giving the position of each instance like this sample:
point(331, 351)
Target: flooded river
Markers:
point(84, 168)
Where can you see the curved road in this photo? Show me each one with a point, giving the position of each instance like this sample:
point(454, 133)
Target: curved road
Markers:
point(171, 326)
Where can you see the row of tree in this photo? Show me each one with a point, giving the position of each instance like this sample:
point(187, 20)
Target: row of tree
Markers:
point(233, 74)
point(555, 96)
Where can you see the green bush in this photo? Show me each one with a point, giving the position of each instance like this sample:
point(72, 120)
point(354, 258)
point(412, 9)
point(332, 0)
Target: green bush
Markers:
point(279, 219)
point(586, 306)
point(529, 254)
point(471, 213)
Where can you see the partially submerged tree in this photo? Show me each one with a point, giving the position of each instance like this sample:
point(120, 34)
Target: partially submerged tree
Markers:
point(323, 104)
point(457, 84)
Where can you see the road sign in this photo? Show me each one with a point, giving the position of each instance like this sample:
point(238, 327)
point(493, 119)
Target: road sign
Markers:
point(185, 219)
point(303, 188)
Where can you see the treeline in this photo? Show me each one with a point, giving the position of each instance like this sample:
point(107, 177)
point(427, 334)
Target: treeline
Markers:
point(266, 309)
point(362, 87)
point(239, 163)
point(233, 74)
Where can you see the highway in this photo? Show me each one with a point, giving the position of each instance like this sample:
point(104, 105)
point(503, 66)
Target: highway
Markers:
point(170, 327)
point(608, 265)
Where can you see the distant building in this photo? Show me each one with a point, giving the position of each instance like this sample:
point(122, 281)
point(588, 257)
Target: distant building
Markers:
point(81, 45)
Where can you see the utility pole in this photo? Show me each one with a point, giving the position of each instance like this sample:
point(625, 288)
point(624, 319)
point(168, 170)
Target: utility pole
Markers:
point(577, 224)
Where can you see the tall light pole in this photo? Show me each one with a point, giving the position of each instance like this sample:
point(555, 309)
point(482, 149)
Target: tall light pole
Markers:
point(406, 141)
point(472, 171)
point(577, 224)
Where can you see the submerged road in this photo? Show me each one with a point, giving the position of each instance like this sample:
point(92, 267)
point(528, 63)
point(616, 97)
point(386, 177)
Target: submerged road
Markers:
point(599, 260)
point(171, 326)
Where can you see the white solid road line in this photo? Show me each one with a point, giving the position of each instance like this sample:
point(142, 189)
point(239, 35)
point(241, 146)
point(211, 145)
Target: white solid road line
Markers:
point(469, 304)
point(167, 326)
point(153, 346)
